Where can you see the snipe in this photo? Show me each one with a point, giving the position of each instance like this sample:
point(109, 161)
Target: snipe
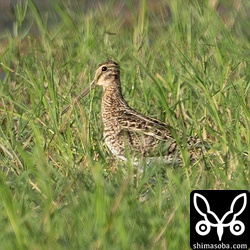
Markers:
point(128, 132)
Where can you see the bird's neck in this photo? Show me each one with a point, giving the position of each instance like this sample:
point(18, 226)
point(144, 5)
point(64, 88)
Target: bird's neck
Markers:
point(112, 100)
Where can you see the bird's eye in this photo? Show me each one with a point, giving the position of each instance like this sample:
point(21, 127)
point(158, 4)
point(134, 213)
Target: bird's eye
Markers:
point(104, 68)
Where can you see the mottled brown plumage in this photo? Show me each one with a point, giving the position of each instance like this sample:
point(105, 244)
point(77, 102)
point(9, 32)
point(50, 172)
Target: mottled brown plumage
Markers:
point(126, 130)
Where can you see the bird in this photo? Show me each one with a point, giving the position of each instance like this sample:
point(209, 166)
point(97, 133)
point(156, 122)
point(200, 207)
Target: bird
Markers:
point(128, 133)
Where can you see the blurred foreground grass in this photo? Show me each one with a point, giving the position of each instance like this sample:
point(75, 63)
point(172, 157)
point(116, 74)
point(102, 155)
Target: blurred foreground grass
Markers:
point(184, 62)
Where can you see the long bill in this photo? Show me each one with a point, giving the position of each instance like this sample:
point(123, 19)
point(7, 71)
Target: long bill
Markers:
point(79, 97)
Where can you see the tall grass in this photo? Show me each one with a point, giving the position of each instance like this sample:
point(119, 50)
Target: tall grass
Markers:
point(184, 62)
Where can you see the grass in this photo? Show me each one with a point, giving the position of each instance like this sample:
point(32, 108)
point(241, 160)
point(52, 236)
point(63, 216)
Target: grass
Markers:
point(184, 62)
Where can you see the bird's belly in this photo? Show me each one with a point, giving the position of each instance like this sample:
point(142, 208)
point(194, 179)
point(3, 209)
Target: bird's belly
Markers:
point(115, 146)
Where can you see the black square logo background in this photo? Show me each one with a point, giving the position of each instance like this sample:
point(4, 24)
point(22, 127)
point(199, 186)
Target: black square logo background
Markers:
point(220, 202)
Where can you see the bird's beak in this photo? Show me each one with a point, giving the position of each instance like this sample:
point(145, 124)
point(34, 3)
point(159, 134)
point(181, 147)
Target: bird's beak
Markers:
point(85, 92)
point(79, 97)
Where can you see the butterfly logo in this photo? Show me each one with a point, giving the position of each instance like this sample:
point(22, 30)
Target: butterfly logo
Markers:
point(203, 227)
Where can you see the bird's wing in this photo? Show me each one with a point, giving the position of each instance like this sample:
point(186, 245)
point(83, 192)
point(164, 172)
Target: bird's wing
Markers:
point(146, 133)
point(134, 122)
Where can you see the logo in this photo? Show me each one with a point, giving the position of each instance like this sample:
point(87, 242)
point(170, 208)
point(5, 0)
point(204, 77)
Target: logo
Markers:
point(219, 218)
point(203, 227)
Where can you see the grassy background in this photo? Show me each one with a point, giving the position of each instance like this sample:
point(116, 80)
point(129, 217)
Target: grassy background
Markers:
point(184, 62)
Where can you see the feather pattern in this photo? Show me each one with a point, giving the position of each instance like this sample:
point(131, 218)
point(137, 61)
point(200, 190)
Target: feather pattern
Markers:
point(127, 131)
